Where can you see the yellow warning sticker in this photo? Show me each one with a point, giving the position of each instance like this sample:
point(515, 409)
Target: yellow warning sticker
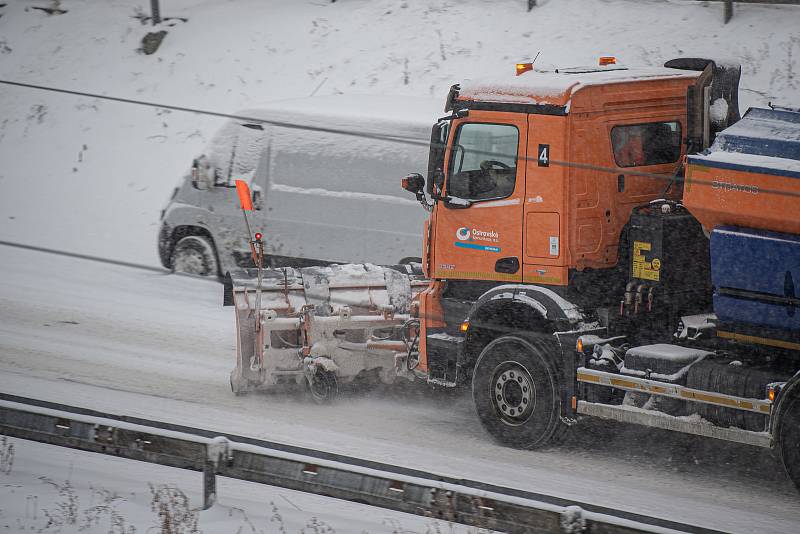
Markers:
point(642, 267)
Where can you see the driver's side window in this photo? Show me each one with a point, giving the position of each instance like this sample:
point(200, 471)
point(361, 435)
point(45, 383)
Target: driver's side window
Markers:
point(483, 162)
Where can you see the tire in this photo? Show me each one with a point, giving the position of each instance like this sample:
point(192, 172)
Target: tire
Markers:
point(323, 387)
point(516, 391)
point(236, 385)
point(195, 255)
point(789, 439)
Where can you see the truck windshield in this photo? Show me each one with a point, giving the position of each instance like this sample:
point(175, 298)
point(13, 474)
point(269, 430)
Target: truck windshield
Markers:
point(483, 162)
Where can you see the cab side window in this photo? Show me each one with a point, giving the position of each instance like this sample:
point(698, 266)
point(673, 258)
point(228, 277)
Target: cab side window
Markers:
point(483, 161)
point(652, 143)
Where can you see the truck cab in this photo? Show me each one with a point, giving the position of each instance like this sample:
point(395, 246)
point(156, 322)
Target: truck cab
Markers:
point(523, 192)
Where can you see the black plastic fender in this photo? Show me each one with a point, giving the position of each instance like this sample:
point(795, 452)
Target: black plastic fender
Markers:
point(790, 391)
point(786, 428)
point(516, 307)
point(544, 302)
point(513, 307)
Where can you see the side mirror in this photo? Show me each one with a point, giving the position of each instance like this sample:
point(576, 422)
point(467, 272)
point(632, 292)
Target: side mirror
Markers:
point(439, 134)
point(258, 197)
point(414, 183)
point(438, 179)
point(200, 178)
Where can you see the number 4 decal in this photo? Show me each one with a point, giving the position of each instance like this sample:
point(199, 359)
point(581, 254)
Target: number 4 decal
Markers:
point(544, 155)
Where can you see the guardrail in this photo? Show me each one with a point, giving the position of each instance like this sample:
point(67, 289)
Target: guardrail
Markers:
point(390, 487)
point(728, 15)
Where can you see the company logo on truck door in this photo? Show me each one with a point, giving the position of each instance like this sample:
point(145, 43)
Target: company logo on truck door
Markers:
point(466, 237)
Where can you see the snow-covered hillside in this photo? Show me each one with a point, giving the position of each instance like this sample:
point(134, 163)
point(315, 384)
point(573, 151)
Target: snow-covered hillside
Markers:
point(91, 176)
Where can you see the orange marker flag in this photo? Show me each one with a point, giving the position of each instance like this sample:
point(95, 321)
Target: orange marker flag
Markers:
point(244, 195)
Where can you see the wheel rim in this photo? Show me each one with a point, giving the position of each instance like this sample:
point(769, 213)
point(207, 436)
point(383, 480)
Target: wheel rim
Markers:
point(513, 393)
point(323, 387)
point(192, 262)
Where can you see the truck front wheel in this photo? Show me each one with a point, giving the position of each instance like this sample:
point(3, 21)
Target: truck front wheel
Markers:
point(789, 439)
point(516, 390)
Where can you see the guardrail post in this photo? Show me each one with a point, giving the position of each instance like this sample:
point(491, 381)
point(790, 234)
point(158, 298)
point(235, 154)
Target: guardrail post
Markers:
point(217, 450)
point(728, 10)
point(209, 484)
point(155, 12)
point(572, 520)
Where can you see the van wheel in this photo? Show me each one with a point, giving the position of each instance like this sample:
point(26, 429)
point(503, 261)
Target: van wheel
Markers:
point(516, 390)
point(195, 254)
point(789, 439)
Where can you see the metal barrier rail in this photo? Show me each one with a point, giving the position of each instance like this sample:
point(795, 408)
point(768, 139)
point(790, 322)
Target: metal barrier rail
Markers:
point(394, 488)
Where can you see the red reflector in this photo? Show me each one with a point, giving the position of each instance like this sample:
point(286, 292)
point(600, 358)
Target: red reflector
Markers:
point(608, 60)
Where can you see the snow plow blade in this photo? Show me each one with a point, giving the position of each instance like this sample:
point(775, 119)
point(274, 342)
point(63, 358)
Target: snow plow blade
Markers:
point(322, 326)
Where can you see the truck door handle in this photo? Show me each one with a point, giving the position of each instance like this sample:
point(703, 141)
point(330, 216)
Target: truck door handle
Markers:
point(507, 265)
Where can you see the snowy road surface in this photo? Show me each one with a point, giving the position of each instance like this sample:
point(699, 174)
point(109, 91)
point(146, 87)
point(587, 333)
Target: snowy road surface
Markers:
point(144, 344)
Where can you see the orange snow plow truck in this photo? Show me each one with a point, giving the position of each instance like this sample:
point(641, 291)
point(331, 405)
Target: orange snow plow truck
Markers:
point(602, 241)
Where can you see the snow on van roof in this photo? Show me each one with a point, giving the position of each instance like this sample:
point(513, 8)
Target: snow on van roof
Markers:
point(400, 117)
point(767, 139)
point(558, 86)
point(363, 112)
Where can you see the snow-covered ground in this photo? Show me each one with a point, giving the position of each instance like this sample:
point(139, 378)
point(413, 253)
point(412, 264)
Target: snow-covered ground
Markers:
point(156, 346)
point(91, 176)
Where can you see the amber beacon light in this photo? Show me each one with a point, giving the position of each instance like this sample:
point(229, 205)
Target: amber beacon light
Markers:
point(524, 67)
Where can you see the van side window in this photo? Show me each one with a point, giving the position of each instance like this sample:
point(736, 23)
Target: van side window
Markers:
point(483, 161)
point(652, 143)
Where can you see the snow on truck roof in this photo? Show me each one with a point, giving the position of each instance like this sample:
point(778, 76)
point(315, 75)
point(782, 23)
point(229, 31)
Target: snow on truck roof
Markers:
point(557, 87)
point(764, 140)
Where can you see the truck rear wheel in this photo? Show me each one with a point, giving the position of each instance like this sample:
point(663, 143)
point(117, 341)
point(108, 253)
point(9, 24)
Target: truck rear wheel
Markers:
point(516, 390)
point(195, 254)
point(789, 439)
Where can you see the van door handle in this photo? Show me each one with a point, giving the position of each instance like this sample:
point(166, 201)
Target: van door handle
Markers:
point(507, 265)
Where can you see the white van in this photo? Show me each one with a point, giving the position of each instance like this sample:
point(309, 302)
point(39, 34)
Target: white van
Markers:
point(319, 197)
